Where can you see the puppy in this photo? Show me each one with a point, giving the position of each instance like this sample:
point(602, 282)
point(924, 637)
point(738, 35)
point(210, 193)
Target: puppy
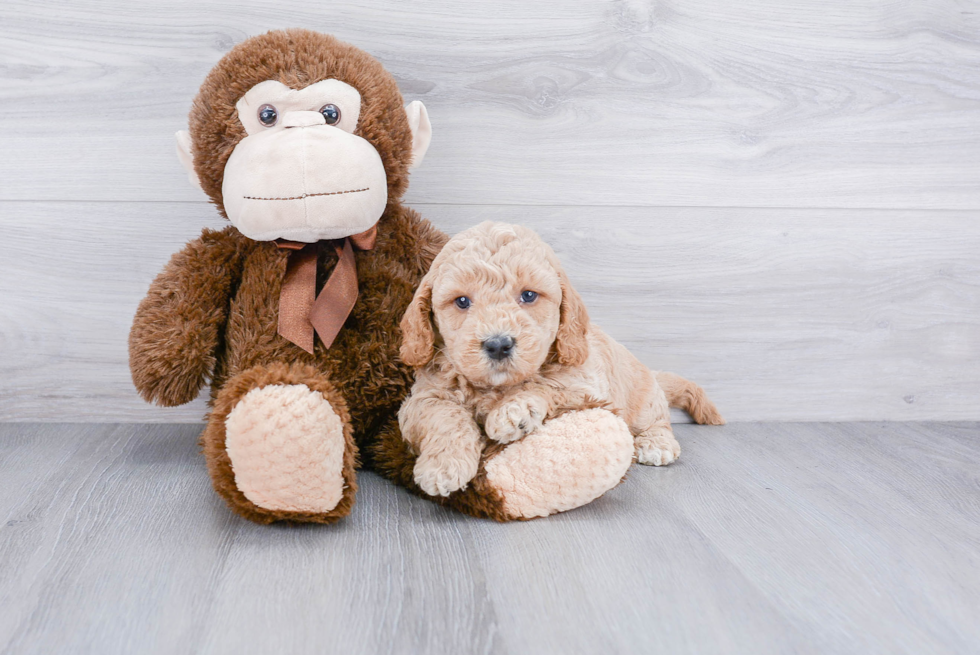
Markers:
point(512, 346)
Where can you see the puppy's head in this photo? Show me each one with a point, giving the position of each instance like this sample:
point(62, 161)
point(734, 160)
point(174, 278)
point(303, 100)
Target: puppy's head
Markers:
point(500, 304)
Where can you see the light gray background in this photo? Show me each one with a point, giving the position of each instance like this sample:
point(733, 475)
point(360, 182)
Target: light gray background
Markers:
point(776, 199)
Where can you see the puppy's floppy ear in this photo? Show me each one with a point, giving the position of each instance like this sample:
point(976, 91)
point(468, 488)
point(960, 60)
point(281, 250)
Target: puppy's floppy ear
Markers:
point(418, 335)
point(571, 343)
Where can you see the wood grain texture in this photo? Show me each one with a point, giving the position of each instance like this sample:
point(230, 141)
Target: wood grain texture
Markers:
point(780, 314)
point(596, 102)
point(763, 538)
point(587, 120)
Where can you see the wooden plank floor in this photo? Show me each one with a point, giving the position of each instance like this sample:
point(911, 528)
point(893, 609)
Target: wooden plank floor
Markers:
point(763, 538)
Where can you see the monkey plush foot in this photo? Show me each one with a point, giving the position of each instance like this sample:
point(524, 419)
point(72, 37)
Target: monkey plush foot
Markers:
point(286, 446)
point(568, 462)
point(279, 446)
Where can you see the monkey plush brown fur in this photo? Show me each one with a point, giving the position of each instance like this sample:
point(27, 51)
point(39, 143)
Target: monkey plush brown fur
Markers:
point(288, 428)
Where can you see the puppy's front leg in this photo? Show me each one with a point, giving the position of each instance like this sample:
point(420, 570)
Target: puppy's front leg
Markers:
point(516, 416)
point(447, 440)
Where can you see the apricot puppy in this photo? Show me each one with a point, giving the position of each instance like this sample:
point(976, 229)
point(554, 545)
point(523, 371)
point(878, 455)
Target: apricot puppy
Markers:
point(511, 347)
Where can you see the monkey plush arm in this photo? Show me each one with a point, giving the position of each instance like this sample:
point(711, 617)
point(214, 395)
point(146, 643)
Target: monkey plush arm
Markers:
point(179, 324)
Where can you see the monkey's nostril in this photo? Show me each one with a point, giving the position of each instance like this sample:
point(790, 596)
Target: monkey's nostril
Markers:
point(499, 347)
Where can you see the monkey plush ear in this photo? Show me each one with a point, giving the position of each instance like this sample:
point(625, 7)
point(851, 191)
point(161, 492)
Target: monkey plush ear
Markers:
point(571, 343)
point(418, 121)
point(185, 156)
point(418, 335)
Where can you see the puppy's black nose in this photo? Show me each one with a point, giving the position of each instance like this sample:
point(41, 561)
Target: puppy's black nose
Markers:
point(499, 347)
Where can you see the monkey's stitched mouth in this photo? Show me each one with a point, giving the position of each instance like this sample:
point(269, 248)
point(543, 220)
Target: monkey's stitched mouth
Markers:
point(311, 195)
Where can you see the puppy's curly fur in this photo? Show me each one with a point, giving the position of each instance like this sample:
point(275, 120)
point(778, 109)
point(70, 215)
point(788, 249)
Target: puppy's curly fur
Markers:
point(499, 281)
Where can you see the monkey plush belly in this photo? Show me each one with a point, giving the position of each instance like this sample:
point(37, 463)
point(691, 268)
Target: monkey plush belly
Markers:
point(288, 427)
point(362, 363)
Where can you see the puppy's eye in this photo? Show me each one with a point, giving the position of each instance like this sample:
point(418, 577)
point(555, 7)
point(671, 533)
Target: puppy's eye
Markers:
point(529, 296)
point(463, 302)
point(268, 115)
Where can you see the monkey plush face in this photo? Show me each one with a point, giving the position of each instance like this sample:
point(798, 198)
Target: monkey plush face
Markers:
point(300, 153)
point(301, 173)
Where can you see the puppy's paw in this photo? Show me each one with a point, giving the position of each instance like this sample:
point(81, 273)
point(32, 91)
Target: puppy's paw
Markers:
point(443, 473)
point(514, 419)
point(657, 448)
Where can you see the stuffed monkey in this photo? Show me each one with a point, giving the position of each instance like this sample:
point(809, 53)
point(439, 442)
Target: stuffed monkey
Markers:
point(292, 311)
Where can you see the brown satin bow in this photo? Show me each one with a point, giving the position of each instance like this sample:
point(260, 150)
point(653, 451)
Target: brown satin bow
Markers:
point(301, 310)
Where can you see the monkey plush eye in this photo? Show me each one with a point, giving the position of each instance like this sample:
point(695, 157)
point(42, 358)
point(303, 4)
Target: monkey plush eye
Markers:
point(529, 296)
point(268, 115)
point(463, 302)
point(331, 113)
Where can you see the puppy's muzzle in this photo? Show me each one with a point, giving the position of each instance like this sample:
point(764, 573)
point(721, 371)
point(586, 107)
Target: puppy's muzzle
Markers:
point(499, 347)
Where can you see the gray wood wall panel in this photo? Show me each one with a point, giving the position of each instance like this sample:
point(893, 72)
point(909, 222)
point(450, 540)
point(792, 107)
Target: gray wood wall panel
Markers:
point(698, 103)
point(641, 138)
point(800, 314)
